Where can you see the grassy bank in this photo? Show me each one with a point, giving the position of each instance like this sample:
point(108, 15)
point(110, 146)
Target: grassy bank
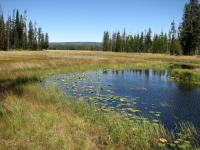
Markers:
point(187, 76)
point(34, 116)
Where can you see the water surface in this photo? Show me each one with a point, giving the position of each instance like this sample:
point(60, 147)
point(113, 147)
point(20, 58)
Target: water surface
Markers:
point(147, 92)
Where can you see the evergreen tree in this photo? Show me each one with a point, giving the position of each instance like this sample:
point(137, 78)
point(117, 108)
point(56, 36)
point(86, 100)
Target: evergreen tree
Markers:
point(2, 33)
point(155, 44)
point(131, 43)
point(123, 41)
point(162, 43)
point(12, 33)
point(110, 45)
point(113, 41)
point(137, 42)
point(118, 42)
point(141, 42)
point(17, 32)
point(148, 41)
point(39, 38)
point(166, 43)
point(172, 45)
point(105, 42)
point(175, 48)
point(9, 33)
point(128, 44)
point(20, 30)
point(190, 28)
point(30, 36)
point(24, 32)
point(46, 41)
point(35, 37)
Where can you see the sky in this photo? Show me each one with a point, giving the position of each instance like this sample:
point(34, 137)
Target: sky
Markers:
point(86, 20)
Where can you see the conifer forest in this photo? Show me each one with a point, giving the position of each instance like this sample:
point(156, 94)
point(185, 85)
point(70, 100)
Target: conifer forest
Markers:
point(182, 40)
point(14, 34)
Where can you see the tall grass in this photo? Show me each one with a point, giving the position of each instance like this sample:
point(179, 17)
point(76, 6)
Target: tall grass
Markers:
point(49, 121)
point(186, 75)
point(35, 116)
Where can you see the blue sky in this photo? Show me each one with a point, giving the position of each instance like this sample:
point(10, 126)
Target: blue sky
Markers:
point(86, 20)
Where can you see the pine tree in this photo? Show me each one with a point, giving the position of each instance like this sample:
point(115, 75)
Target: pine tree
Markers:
point(17, 32)
point(110, 45)
point(172, 45)
point(24, 32)
point(131, 43)
point(42, 41)
point(148, 41)
point(30, 36)
point(46, 41)
point(128, 45)
point(39, 38)
point(118, 43)
point(113, 41)
point(105, 42)
point(141, 42)
point(155, 44)
point(123, 41)
point(35, 37)
point(137, 42)
point(166, 43)
point(9, 33)
point(2, 32)
point(12, 33)
point(190, 28)
point(20, 30)
point(162, 43)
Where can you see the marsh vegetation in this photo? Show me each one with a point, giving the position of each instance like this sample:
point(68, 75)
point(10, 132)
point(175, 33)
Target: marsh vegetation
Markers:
point(38, 116)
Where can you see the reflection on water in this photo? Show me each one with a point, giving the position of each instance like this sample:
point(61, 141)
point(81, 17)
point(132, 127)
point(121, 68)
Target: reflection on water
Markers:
point(146, 92)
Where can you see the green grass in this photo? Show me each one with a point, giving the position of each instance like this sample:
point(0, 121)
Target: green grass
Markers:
point(189, 76)
point(34, 116)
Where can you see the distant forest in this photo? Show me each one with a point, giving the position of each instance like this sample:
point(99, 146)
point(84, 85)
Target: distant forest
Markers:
point(15, 35)
point(185, 40)
point(97, 46)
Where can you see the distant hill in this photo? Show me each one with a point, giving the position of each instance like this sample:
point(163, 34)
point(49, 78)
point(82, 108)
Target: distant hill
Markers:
point(76, 43)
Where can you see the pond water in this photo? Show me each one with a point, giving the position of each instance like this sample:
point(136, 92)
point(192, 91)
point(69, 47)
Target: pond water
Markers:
point(135, 92)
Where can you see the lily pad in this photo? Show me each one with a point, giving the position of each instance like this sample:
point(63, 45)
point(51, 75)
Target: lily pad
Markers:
point(151, 112)
point(122, 99)
point(157, 115)
point(155, 120)
point(161, 144)
point(108, 91)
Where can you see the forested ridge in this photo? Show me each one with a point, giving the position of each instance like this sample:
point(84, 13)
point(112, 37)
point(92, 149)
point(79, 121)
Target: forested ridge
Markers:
point(184, 40)
point(14, 33)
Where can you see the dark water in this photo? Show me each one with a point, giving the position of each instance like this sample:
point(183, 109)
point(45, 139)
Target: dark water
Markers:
point(150, 93)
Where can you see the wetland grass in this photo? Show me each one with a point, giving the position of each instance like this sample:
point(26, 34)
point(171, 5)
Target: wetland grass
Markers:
point(34, 116)
point(190, 76)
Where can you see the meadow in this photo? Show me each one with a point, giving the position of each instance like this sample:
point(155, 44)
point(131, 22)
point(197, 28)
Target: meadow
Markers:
point(34, 116)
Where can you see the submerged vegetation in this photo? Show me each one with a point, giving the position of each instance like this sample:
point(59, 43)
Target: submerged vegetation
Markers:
point(34, 116)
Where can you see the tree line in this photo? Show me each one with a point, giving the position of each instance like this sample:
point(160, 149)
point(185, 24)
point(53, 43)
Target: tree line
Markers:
point(76, 47)
point(15, 35)
point(185, 40)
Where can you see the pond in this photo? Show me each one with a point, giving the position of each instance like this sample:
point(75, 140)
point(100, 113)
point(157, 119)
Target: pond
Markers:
point(135, 92)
